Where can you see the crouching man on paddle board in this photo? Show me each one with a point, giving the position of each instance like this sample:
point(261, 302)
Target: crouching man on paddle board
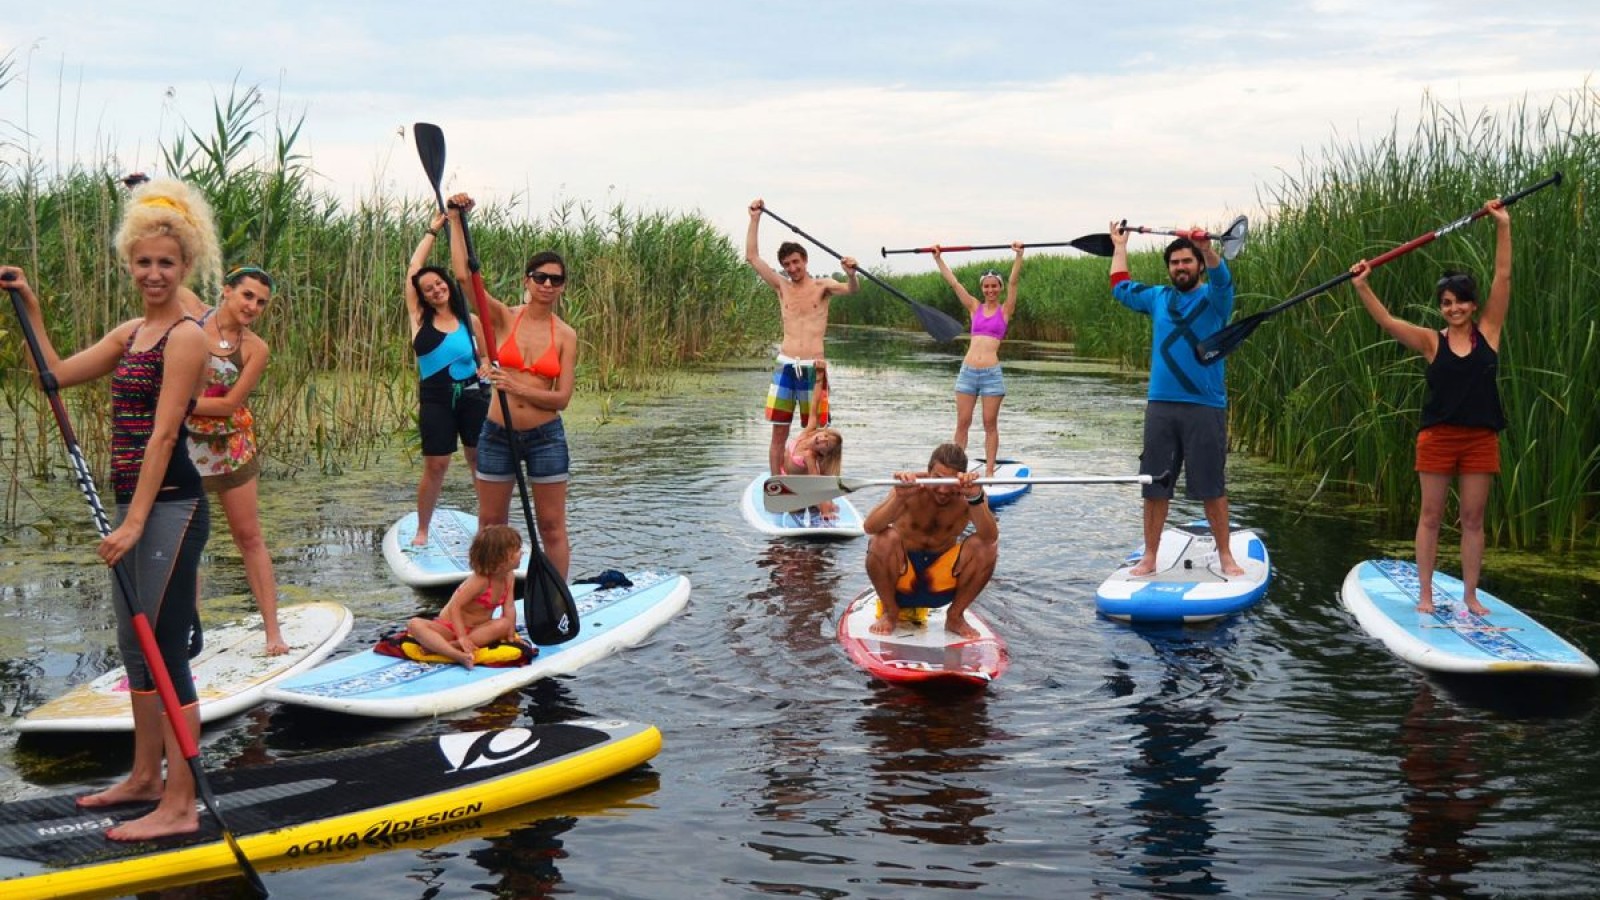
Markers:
point(917, 558)
point(802, 377)
point(1186, 418)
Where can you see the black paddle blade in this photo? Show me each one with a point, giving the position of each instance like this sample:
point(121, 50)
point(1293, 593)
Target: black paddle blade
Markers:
point(937, 323)
point(1227, 340)
point(1094, 244)
point(547, 605)
point(430, 148)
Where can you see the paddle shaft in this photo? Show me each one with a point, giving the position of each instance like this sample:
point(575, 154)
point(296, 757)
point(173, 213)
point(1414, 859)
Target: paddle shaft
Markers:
point(1088, 243)
point(141, 625)
point(791, 493)
point(946, 328)
point(1225, 341)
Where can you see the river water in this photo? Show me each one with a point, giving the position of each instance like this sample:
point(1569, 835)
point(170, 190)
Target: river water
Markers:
point(1279, 754)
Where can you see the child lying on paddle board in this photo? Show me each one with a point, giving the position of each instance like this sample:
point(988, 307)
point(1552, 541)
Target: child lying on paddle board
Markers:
point(816, 451)
point(468, 621)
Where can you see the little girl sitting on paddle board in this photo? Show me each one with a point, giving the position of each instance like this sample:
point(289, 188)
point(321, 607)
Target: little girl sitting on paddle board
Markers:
point(816, 451)
point(468, 621)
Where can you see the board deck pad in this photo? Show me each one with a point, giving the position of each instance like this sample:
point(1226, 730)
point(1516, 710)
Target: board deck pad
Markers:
point(1382, 595)
point(920, 650)
point(231, 673)
point(442, 562)
point(49, 846)
point(372, 684)
point(806, 523)
point(1187, 584)
point(1004, 494)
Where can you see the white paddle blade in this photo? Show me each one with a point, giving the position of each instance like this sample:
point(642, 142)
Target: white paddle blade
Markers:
point(792, 493)
point(1233, 239)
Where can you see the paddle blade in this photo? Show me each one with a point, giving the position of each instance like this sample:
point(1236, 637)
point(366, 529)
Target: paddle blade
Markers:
point(430, 148)
point(792, 493)
point(1233, 239)
point(1227, 340)
point(548, 610)
point(1095, 244)
point(937, 323)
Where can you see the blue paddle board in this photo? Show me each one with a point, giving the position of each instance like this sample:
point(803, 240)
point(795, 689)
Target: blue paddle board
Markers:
point(1187, 584)
point(1382, 595)
point(442, 562)
point(806, 523)
point(372, 684)
point(1002, 494)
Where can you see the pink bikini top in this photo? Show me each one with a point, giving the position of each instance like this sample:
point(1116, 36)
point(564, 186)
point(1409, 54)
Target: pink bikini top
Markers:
point(989, 326)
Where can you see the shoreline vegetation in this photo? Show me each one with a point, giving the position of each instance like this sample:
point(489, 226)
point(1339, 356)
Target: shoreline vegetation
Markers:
point(1318, 390)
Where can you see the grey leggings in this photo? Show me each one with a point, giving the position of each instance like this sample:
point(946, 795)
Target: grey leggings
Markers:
point(164, 568)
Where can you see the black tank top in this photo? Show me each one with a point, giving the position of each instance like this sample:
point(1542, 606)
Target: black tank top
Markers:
point(1461, 389)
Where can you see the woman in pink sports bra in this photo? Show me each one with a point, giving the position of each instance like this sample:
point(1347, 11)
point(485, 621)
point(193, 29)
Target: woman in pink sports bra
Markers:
point(537, 356)
point(980, 370)
point(816, 451)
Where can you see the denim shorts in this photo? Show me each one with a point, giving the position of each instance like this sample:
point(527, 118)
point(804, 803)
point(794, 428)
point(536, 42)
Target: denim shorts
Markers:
point(984, 382)
point(544, 453)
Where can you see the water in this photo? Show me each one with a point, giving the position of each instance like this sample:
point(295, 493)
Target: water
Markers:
point(1279, 754)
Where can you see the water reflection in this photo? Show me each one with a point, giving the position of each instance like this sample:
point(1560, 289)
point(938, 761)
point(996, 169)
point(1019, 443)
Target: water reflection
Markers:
point(1176, 769)
point(1447, 793)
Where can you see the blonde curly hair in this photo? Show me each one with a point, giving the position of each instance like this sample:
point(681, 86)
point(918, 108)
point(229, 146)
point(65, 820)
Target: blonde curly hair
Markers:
point(176, 209)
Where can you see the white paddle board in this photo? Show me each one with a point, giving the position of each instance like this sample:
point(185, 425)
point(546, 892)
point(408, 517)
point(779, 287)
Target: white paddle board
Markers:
point(442, 562)
point(806, 523)
point(920, 650)
point(231, 674)
point(1382, 595)
point(1002, 494)
point(1187, 584)
point(372, 684)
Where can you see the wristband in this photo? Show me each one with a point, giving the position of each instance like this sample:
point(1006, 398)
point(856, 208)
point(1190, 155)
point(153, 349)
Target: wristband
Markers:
point(978, 500)
point(433, 232)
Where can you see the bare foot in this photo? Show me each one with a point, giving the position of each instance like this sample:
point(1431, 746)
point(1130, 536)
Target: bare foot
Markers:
point(421, 540)
point(126, 792)
point(1230, 568)
point(1142, 567)
point(1476, 608)
point(1425, 606)
point(157, 824)
point(885, 623)
point(957, 625)
point(276, 647)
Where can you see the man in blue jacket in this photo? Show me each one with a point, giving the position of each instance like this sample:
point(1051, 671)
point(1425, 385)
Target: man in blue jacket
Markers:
point(1186, 419)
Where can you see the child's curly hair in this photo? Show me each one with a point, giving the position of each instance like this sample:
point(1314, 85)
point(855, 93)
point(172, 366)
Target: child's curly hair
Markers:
point(492, 547)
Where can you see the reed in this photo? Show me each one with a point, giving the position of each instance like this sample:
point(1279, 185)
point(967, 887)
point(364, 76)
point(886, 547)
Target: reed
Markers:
point(650, 293)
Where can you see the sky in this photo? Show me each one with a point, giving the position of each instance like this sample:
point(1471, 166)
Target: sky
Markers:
point(868, 124)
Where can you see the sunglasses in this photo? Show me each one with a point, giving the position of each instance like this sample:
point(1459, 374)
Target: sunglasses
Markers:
point(238, 272)
point(547, 278)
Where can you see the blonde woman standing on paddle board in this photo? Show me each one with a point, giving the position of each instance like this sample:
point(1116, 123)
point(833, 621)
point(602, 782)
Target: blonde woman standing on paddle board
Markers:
point(1461, 416)
point(980, 375)
point(450, 405)
point(537, 356)
point(156, 363)
point(222, 440)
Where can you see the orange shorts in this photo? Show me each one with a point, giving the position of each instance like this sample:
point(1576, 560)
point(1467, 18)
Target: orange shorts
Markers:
point(1458, 450)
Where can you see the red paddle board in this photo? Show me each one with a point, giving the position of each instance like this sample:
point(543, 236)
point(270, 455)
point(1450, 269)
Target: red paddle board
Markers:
point(920, 651)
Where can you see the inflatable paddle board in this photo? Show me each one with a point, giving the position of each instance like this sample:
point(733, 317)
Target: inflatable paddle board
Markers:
point(1382, 595)
point(442, 562)
point(803, 524)
point(317, 805)
point(1188, 584)
point(231, 674)
point(372, 684)
point(920, 651)
point(1001, 494)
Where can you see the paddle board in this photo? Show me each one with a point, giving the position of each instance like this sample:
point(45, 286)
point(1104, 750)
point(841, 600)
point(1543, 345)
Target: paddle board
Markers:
point(1188, 584)
point(1001, 494)
point(806, 523)
point(230, 674)
point(920, 651)
point(1382, 595)
point(372, 684)
point(442, 562)
point(315, 806)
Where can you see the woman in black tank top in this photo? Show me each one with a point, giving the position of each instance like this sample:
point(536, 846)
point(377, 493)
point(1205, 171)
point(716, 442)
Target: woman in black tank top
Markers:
point(1461, 417)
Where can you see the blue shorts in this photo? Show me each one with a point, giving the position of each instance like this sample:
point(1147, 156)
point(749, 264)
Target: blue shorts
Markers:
point(544, 453)
point(984, 382)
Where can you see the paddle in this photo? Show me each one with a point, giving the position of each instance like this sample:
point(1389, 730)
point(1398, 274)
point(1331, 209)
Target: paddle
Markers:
point(1096, 244)
point(935, 322)
point(141, 625)
point(548, 609)
point(792, 493)
point(430, 148)
point(1229, 338)
point(1232, 238)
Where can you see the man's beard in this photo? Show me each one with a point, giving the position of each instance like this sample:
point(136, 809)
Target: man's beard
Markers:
point(1185, 282)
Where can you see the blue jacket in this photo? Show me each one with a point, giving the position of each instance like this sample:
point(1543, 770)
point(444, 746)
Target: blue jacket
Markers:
point(1181, 319)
